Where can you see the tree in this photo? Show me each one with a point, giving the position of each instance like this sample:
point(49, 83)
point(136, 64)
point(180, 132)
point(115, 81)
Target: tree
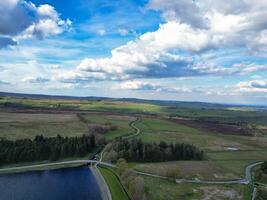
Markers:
point(112, 156)
point(42, 148)
point(122, 166)
point(173, 173)
point(264, 167)
point(137, 189)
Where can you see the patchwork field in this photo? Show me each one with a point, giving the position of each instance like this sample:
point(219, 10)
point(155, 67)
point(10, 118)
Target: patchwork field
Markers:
point(97, 105)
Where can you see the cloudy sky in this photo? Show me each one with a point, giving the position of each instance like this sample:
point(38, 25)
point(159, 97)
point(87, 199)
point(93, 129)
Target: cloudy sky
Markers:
point(193, 50)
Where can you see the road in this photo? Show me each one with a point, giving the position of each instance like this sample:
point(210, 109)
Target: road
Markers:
point(254, 194)
point(136, 129)
point(245, 180)
point(56, 164)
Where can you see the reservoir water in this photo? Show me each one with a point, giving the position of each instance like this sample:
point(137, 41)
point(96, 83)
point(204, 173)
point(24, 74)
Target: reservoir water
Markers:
point(60, 184)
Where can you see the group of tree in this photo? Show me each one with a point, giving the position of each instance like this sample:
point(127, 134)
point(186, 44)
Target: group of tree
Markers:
point(137, 150)
point(261, 194)
point(43, 148)
point(261, 173)
point(133, 183)
point(264, 167)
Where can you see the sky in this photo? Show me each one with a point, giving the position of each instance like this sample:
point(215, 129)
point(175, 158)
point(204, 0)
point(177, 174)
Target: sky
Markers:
point(188, 50)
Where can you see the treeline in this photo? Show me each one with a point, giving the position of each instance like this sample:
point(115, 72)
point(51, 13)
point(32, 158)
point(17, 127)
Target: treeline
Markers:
point(137, 150)
point(42, 148)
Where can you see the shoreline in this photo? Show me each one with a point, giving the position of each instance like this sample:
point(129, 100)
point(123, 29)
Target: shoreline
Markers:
point(103, 187)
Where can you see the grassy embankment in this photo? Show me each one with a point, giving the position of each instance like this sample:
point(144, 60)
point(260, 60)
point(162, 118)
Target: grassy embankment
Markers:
point(117, 192)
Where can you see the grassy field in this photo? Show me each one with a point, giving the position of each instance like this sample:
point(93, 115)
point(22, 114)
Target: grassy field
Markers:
point(79, 105)
point(114, 185)
point(226, 114)
point(162, 130)
point(220, 162)
point(207, 170)
point(220, 165)
point(28, 125)
point(252, 116)
point(159, 189)
point(236, 161)
point(120, 121)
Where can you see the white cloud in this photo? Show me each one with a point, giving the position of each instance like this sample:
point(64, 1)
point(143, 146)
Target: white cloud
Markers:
point(123, 31)
point(134, 58)
point(22, 19)
point(183, 11)
point(143, 85)
point(31, 79)
point(238, 68)
point(136, 85)
point(235, 23)
point(252, 86)
point(193, 27)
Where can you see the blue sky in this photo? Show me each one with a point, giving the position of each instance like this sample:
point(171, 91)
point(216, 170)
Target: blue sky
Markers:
point(213, 51)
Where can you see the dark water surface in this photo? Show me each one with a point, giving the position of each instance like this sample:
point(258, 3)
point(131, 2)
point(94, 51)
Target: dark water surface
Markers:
point(61, 184)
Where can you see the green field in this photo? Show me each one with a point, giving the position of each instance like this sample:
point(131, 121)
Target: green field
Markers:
point(227, 115)
point(220, 162)
point(159, 189)
point(204, 170)
point(223, 114)
point(79, 105)
point(219, 165)
point(236, 161)
point(114, 185)
point(157, 130)
point(27, 125)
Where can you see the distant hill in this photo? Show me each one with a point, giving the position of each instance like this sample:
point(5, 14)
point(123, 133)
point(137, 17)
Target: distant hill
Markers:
point(182, 104)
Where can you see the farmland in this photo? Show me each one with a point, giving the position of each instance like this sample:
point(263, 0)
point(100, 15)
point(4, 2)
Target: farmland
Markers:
point(222, 133)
